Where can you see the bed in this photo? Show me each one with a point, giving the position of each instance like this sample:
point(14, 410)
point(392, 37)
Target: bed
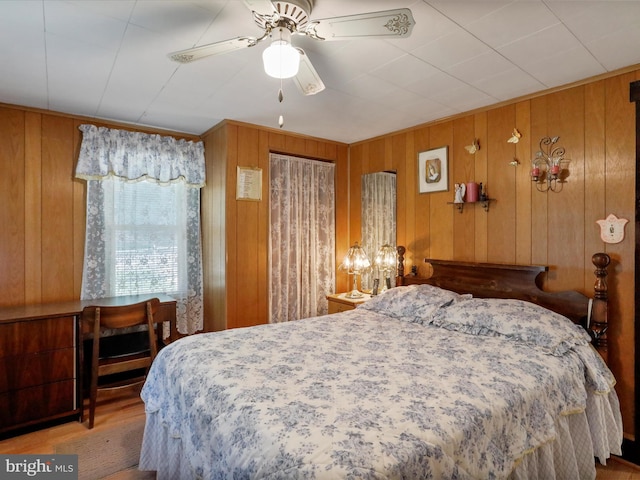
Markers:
point(460, 375)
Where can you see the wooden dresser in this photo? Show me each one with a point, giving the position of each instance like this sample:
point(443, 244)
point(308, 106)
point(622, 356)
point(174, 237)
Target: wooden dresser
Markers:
point(40, 359)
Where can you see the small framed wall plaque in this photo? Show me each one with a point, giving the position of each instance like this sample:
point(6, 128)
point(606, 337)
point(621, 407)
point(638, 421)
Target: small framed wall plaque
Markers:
point(433, 170)
point(249, 184)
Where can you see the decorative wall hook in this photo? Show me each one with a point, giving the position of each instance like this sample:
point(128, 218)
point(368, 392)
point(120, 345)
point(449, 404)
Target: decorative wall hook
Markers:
point(474, 147)
point(515, 162)
point(515, 136)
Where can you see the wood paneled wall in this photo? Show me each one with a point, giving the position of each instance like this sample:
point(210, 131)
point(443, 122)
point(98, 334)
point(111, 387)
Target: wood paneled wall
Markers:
point(236, 232)
point(42, 219)
point(42, 222)
point(596, 125)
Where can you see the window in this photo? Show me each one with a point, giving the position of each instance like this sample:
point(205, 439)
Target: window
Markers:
point(143, 218)
point(144, 233)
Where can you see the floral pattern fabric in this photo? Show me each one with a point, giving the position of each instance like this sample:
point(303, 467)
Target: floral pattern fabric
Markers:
point(413, 303)
point(109, 152)
point(521, 321)
point(301, 237)
point(362, 395)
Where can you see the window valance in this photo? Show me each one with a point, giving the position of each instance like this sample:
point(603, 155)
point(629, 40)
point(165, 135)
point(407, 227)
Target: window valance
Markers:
point(135, 156)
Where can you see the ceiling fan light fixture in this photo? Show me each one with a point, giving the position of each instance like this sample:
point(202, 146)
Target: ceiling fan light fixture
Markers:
point(281, 59)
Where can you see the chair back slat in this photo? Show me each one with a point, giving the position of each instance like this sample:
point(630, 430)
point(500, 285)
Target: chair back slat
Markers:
point(124, 316)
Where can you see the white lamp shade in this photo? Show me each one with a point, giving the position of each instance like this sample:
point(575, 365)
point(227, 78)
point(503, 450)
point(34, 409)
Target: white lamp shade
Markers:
point(386, 258)
point(356, 260)
point(280, 59)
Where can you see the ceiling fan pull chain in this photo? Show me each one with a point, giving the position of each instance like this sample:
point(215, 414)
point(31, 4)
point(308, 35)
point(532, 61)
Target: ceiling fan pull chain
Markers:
point(280, 98)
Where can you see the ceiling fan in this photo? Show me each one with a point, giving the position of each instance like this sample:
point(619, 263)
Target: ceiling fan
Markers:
point(282, 19)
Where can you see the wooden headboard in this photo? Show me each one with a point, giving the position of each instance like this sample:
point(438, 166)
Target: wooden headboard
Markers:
point(492, 280)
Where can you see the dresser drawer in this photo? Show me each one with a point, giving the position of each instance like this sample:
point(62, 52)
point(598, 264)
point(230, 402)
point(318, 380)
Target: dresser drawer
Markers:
point(23, 371)
point(40, 403)
point(339, 302)
point(19, 338)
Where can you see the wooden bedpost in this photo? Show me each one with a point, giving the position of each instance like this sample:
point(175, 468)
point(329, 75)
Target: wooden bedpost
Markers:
point(599, 320)
point(401, 250)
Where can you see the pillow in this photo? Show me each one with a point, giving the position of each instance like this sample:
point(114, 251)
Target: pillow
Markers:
point(522, 321)
point(413, 303)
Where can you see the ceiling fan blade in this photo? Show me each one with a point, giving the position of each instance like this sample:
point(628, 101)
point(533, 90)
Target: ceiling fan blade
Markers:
point(387, 23)
point(196, 53)
point(307, 79)
point(264, 7)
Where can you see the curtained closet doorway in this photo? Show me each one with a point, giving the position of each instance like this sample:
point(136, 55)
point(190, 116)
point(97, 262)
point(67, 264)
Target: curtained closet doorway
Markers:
point(301, 237)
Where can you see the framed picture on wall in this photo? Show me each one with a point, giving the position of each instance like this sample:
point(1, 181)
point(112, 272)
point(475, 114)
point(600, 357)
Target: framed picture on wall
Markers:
point(249, 183)
point(433, 170)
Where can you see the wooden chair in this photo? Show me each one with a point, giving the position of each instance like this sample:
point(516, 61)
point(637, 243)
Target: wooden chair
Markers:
point(115, 318)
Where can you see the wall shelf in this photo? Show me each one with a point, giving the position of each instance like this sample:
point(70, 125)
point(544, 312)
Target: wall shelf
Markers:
point(484, 203)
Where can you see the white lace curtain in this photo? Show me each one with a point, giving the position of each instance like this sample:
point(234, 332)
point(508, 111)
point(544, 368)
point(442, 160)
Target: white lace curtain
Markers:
point(302, 237)
point(143, 218)
point(378, 218)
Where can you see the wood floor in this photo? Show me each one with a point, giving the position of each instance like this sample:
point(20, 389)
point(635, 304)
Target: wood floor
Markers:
point(110, 412)
point(121, 409)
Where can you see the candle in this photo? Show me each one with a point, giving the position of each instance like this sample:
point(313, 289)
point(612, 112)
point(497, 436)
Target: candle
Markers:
point(555, 169)
point(535, 172)
point(472, 192)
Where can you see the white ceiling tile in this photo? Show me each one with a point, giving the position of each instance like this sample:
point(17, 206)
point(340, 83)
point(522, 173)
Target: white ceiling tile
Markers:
point(464, 98)
point(591, 20)
point(374, 90)
point(465, 12)
point(108, 58)
point(478, 68)
point(23, 55)
point(83, 25)
point(539, 45)
point(404, 70)
point(19, 17)
point(118, 9)
point(86, 87)
point(451, 49)
point(509, 84)
point(357, 55)
point(514, 21)
point(564, 67)
point(617, 49)
point(434, 85)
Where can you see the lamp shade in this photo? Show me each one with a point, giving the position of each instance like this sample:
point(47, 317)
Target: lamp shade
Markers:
point(355, 261)
point(281, 60)
point(386, 258)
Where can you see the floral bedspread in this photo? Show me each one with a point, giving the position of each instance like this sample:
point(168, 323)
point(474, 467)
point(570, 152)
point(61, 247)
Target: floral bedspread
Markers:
point(363, 395)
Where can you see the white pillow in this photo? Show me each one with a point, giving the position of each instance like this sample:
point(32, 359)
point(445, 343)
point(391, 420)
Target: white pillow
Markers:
point(522, 321)
point(413, 303)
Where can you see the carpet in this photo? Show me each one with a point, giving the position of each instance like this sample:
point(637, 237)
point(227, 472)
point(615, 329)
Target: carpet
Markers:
point(104, 452)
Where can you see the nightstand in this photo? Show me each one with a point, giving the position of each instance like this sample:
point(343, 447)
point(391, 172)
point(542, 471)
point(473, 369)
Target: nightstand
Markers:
point(338, 302)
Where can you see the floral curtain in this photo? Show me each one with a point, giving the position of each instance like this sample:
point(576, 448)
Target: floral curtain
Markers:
point(143, 214)
point(302, 237)
point(378, 218)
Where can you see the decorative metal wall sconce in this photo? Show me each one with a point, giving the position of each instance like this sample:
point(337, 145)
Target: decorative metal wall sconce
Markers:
point(548, 172)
